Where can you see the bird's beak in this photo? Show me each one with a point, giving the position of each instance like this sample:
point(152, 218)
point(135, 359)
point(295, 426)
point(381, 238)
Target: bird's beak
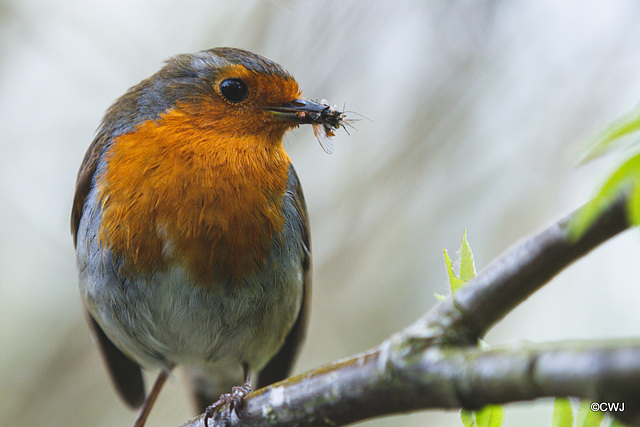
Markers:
point(301, 111)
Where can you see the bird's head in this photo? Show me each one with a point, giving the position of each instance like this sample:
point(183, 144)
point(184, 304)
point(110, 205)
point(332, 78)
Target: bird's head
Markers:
point(232, 91)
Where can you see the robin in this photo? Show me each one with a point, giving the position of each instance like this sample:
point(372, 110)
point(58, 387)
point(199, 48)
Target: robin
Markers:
point(191, 229)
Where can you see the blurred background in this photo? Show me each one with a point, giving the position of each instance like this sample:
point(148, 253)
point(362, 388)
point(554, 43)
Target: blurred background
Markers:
point(476, 112)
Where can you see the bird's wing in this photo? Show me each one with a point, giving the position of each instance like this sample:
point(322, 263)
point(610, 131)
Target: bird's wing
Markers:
point(125, 373)
point(84, 181)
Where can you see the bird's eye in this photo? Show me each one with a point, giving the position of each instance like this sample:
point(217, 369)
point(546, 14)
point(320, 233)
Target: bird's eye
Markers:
point(234, 90)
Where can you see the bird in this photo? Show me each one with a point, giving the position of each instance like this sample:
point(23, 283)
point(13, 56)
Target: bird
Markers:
point(191, 231)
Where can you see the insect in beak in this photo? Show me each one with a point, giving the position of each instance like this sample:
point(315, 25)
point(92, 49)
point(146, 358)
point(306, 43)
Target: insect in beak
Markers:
point(321, 115)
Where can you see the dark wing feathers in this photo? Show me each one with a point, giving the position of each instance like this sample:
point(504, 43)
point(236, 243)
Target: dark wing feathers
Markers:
point(125, 373)
point(83, 182)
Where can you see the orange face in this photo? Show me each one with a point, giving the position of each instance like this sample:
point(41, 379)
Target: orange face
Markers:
point(202, 185)
point(250, 116)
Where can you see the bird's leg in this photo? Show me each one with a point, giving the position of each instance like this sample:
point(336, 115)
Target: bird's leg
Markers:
point(231, 400)
point(151, 398)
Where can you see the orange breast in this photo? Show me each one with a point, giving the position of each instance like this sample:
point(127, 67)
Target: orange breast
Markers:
point(175, 193)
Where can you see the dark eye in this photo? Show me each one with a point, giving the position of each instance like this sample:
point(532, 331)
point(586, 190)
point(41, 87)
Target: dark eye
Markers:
point(234, 90)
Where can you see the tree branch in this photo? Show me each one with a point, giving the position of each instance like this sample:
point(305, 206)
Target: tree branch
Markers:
point(389, 381)
point(435, 362)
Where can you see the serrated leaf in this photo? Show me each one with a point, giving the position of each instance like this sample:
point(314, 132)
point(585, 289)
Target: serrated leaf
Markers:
point(467, 418)
point(588, 418)
point(454, 281)
point(628, 173)
point(490, 416)
point(622, 127)
point(562, 413)
point(467, 267)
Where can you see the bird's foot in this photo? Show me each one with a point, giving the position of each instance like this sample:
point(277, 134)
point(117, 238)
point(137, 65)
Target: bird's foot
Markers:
point(228, 402)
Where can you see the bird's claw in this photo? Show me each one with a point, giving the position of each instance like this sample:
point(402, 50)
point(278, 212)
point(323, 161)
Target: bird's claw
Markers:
point(227, 403)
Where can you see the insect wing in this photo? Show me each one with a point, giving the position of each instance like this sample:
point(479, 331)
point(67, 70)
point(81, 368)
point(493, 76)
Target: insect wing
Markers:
point(324, 134)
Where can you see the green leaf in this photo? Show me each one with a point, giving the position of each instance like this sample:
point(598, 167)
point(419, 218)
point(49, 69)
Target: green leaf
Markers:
point(562, 413)
point(454, 282)
point(490, 416)
point(622, 127)
point(633, 205)
point(467, 268)
point(588, 418)
point(467, 418)
point(627, 174)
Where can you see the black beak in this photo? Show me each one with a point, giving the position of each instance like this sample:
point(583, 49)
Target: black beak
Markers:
point(302, 111)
